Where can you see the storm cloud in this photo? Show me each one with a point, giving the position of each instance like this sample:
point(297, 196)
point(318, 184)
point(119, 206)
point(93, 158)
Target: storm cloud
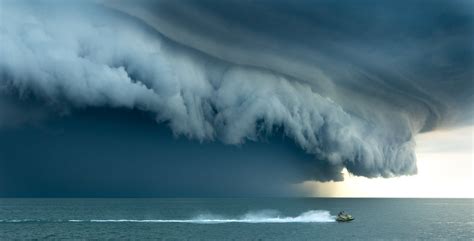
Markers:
point(350, 83)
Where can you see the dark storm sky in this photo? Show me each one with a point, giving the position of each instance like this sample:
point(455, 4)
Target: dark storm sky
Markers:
point(226, 98)
point(102, 152)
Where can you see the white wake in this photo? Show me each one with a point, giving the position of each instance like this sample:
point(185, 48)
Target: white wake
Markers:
point(266, 216)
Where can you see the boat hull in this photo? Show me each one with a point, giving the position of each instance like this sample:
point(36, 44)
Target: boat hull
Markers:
point(345, 220)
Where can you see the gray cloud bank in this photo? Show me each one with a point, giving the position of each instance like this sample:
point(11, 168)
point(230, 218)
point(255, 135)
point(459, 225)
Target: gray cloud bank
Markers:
point(350, 83)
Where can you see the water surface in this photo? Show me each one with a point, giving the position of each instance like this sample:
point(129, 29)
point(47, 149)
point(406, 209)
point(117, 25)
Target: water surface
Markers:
point(237, 219)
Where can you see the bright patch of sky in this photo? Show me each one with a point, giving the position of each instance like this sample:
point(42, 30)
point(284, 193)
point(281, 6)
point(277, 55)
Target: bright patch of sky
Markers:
point(445, 169)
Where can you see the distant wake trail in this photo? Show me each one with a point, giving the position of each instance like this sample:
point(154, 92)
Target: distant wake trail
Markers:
point(313, 216)
point(265, 216)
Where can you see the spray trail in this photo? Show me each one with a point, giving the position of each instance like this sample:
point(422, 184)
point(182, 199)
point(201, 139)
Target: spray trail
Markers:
point(266, 216)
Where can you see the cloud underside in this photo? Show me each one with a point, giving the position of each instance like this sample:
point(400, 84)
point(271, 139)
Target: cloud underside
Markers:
point(349, 90)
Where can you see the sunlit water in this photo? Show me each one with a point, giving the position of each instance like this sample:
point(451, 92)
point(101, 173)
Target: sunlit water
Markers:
point(236, 219)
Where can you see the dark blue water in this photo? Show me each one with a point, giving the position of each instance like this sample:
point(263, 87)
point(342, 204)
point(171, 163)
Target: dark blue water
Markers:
point(237, 219)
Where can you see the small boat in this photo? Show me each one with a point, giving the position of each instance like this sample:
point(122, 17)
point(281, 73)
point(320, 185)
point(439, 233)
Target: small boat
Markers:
point(343, 217)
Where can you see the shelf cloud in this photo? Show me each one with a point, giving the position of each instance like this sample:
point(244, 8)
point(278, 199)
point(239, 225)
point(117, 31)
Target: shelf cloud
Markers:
point(350, 83)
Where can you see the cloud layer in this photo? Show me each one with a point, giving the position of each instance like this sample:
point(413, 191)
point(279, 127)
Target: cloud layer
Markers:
point(349, 84)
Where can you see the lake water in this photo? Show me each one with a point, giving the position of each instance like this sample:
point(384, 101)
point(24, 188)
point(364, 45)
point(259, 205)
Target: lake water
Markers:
point(237, 219)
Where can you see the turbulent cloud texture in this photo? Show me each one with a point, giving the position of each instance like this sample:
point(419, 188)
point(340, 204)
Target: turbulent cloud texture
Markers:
point(349, 82)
